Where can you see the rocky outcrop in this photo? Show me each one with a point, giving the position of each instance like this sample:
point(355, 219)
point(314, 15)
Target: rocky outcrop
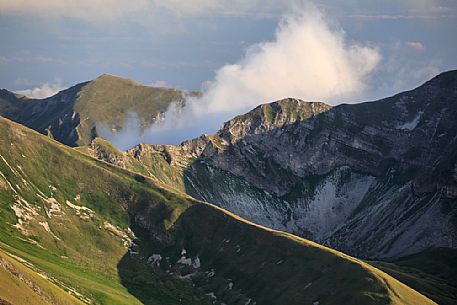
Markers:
point(104, 150)
point(268, 117)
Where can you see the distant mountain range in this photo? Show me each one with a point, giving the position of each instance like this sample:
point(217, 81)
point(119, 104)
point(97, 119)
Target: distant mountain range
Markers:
point(376, 180)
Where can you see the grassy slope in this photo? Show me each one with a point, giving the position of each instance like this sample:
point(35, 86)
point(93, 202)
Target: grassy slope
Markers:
point(79, 250)
point(275, 267)
point(432, 272)
point(22, 285)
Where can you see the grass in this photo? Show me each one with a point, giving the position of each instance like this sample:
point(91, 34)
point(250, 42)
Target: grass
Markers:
point(273, 267)
point(21, 285)
point(432, 272)
point(86, 255)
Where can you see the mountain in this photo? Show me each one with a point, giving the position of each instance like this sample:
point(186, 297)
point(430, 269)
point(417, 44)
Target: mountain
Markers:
point(76, 230)
point(375, 180)
point(73, 115)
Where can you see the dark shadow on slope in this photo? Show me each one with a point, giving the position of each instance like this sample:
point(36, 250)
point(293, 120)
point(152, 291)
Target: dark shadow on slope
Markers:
point(239, 261)
point(150, 284)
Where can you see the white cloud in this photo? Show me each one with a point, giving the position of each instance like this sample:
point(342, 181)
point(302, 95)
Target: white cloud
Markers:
point(129, 136)
point(94, 10)
point(415, 45)
point(110, 10)
point(308, 59)
point(43, 91)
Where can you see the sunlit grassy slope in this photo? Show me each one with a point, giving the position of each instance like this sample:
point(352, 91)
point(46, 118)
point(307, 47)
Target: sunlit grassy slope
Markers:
point(21, 285)
point(65, 228)
point(432, 272)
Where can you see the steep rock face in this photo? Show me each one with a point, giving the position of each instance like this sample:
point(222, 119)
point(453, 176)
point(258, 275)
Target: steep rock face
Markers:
point(73, 115)
point(376, 179)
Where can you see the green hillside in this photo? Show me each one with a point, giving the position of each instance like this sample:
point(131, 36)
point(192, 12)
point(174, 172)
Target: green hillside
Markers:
point(105, 235)
point(66, 216)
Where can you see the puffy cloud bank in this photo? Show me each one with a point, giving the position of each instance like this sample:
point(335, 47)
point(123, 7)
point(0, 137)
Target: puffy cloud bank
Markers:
point(308, 59)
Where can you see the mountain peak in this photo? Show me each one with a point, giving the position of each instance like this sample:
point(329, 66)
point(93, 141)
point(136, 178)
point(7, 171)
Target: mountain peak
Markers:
point(271, 115)
point(111, 78)
point(294, 109)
